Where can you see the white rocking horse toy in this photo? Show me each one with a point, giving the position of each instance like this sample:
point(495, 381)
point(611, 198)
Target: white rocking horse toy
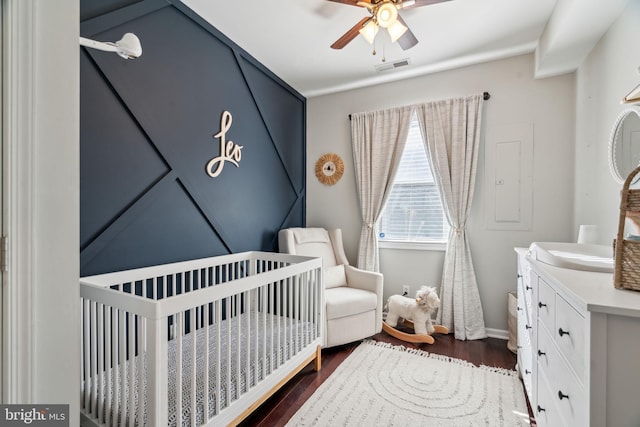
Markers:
point(416, 314)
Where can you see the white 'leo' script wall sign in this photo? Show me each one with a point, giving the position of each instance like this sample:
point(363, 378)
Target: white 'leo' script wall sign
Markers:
point(229, 151)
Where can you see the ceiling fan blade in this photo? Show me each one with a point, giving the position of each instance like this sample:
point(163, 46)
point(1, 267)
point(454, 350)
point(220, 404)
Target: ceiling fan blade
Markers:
point(349, 2)
point(351, 34)
point(408, 39)
point(419, 3)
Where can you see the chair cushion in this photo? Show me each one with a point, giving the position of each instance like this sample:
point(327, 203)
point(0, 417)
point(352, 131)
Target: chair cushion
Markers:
point(313, 242)
point(334, 277)
point(310, 235)
point(345, 301)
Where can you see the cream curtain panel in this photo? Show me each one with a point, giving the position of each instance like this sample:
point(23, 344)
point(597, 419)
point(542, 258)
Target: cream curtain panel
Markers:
point(451, 131)
point(378, 140)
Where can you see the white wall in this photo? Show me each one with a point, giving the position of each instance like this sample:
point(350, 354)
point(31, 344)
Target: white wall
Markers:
point(608, 74)
point(515, 98)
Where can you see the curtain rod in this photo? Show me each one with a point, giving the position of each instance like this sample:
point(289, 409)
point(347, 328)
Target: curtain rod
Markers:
point(486, 96)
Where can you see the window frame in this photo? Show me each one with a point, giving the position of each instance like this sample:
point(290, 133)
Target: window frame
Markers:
point(428, 245)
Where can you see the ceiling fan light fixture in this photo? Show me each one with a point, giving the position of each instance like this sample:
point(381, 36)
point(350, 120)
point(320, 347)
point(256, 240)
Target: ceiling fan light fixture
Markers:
point(369, 31)
point(396, 30)
point(386, 14)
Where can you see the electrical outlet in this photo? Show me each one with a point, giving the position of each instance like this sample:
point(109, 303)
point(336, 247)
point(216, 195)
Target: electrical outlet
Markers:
point(405, 290)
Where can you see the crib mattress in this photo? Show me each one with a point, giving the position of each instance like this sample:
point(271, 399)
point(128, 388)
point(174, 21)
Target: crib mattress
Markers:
point(284, 338)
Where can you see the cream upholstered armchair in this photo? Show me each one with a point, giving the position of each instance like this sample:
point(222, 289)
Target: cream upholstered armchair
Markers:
point(353, 297)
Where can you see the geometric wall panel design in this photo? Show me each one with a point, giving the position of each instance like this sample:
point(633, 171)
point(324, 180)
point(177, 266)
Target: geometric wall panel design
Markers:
point(148, 130)
point(170, 225)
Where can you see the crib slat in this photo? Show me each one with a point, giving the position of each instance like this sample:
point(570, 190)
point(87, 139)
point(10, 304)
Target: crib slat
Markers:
point(207, 385)
point(114, 367)
point(247, 367)
point(311, 312)
point(271, 328)
point(290, 319)
point(316, 303)
point(131, 366)
point(83, 352)
point(238, 344)
point(228, 347)
point(303, 310)
point(93, 408)
point(122, 365)
point(142, 339)
point(256, 302)
point(165, 287)
point(107, 365)
point(218, 361)
point(279, 312)
point(194, 373)
point(100, 395)
point(295, 332)
point(265, 307)
point(179, 332)
point(87, 357)
point(296, 315)
point(287, 347)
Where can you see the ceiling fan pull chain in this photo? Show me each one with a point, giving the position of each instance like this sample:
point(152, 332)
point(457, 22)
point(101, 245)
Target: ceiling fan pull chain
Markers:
point(384, 51)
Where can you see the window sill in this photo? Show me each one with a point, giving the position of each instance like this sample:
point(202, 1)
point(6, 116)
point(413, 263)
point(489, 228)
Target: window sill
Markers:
point(414, 246)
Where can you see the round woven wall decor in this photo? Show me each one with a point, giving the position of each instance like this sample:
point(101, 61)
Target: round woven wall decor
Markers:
point(329, 168)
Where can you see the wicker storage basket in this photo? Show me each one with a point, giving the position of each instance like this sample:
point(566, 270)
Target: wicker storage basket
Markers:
point(627, 252)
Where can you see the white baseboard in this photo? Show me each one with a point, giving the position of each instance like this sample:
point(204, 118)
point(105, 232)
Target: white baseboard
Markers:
point(497, 333)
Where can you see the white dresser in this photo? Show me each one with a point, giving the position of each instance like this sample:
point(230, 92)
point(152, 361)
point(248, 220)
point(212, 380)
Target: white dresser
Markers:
point(578, 346)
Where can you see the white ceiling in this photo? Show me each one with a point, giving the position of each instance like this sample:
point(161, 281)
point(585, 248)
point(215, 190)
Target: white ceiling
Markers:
point(292, 37)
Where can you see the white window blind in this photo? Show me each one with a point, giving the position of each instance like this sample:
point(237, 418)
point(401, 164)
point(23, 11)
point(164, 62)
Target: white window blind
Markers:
point(413, 212)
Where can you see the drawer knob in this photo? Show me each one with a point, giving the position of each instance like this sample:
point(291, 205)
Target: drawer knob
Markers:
point(529, 327)
point(541, 305)
point(528, 288)
point(562, 395)
point(541, 353)
point(526, 371)
point(518, 275)
point(541, 409)
point(519, 308)
point(562, 332)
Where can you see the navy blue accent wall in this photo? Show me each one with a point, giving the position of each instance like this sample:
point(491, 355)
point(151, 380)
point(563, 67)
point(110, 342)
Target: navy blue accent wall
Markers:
point(147, 131)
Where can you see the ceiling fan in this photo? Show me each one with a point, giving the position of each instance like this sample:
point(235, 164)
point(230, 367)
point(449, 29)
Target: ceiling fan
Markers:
point(383, 13)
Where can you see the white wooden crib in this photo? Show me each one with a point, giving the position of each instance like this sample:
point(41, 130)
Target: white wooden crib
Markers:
point(197, 342)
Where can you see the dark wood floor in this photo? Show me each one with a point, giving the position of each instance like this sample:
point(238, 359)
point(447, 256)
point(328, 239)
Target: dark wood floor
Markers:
point(283, 404)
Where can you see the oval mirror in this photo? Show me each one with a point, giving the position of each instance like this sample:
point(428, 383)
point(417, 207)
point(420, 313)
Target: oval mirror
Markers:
point(624, 145)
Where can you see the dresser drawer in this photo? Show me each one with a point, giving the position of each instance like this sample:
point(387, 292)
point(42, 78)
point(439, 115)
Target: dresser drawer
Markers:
point(546, 304)
point(569, 334)
point(545, 411)
point(564, 390)
point(545, 354)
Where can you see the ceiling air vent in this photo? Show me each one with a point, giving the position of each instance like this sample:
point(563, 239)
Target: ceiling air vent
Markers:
point(386, 66)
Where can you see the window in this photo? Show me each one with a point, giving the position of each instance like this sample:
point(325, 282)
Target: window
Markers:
point(413, 212)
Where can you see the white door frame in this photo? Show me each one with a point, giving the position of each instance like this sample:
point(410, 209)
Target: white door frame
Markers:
point(18, 25)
